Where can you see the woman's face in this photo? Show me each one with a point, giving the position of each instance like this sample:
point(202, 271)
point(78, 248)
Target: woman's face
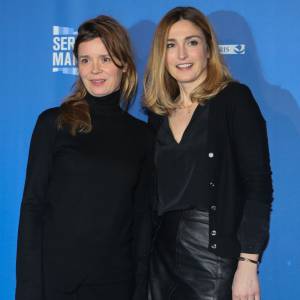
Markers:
point(187, 54)
point(97, 70)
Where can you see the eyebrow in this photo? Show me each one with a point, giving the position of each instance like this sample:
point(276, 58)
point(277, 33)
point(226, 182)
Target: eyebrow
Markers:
point(85, 55)
point(187, 38)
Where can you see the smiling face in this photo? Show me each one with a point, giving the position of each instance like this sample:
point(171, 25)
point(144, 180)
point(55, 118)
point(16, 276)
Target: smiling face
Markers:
point(187, 54)
point(97, 70)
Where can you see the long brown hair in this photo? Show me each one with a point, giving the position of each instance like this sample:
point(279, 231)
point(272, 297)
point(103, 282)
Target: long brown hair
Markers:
point(74, 111)
point(160, 88)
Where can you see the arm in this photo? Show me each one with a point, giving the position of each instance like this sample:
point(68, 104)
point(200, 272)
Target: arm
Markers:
point(253, 164)
point(29, 251)
point(143, 221)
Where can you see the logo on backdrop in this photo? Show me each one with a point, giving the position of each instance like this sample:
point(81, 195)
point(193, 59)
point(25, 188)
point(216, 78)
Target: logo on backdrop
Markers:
point(232, 49)
point(63, 59)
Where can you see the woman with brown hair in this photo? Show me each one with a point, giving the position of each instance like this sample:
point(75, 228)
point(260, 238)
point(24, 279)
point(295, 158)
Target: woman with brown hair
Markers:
point(84, 214)
point(214, 188)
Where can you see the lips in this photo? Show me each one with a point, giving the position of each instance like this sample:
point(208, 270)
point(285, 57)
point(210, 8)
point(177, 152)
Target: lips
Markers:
point(97, 82)
point(185, 66)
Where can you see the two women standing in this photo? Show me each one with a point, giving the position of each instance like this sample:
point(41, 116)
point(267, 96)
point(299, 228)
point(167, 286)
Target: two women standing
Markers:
point(85, 225)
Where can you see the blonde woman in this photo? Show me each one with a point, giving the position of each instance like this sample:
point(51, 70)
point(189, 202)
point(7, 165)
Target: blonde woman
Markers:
point(214, 188)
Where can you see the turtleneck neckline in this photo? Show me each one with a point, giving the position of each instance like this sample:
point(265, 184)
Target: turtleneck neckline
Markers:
point(106, 104)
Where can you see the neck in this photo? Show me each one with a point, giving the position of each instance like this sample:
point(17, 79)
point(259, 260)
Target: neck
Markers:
point(107, 104)
point(184, 97)
point(186, 88)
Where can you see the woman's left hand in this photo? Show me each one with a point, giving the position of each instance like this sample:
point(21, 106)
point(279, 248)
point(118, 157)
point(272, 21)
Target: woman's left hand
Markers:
point(245, 284)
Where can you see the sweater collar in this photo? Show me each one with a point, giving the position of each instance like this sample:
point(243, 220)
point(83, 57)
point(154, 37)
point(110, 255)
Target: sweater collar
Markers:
point(108, 104)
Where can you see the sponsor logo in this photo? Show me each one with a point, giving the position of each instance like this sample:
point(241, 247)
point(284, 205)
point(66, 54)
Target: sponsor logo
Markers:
point(63, 59)
point(232, 49)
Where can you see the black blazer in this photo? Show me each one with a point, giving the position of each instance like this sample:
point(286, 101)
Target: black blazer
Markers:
point(239, 185)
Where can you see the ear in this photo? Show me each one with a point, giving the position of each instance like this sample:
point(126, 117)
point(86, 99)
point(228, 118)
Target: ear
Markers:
point(208, 51)
point(125, 68)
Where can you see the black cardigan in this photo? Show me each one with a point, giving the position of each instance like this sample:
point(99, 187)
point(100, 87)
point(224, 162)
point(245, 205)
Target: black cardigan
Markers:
point(85, 210)
point(239, 186)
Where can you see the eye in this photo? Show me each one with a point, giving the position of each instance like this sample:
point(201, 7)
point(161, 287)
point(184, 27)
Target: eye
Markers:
point(106, 59)
point(193, 43)
point(170, 45)
point(84, 60)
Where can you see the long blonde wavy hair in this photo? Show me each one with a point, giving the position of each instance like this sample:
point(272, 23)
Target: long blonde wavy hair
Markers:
point(161, 90)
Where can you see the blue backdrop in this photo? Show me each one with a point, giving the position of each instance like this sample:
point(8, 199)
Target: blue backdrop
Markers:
point(260, 42)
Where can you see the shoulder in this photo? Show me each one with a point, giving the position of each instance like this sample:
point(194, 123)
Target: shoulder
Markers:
point(49, 114)
point(236, 93)
point(139, 127)
point(134, 122)
point(236, 96)
point(154, 120)
point(240, 104)
point(46, 127)
point(47, 118)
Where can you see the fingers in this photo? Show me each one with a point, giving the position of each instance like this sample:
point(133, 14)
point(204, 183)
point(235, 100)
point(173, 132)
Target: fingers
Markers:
point(249, 296)
point(245, 293)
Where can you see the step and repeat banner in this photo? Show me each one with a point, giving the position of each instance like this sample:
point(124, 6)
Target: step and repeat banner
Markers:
point(260, 41)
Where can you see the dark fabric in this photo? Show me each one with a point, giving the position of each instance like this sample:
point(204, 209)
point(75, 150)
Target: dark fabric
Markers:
point(181, 265)
point(180, 165)
point(238, 174)
point(115, 291)
point(86, 200)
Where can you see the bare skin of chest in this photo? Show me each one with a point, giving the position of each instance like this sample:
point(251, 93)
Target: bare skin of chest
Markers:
point(180, 119)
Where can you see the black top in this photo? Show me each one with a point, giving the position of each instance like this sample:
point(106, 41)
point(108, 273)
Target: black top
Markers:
point(238, 174)
point(180, 165)
point(85, 209)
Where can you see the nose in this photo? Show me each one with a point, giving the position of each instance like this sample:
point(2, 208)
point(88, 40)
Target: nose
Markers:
point(182, 52)
point(96, 67)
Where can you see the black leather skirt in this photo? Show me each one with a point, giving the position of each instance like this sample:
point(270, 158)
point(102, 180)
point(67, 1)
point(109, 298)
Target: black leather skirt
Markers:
point(182, 267)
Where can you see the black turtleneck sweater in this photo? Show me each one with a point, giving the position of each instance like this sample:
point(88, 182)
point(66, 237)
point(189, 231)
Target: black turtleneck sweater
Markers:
point(85, 209)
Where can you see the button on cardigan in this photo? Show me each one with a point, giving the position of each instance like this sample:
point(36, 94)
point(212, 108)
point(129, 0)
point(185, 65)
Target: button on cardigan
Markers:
point(239, 185)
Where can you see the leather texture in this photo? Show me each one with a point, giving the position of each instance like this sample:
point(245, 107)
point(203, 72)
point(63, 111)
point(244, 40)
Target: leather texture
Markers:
point(182, 267)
